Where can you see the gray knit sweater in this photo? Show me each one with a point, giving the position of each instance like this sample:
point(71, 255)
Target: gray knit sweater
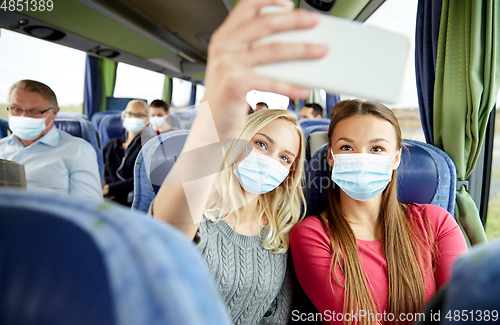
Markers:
point(254, 283)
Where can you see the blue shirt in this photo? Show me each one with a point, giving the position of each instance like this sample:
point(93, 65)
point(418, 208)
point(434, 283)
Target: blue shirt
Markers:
point(57, 162)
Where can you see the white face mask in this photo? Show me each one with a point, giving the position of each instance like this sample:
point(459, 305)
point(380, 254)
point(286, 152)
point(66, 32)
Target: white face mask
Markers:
point(157, 121)
point(26, 128)
point(133, 124)
point(362, 176)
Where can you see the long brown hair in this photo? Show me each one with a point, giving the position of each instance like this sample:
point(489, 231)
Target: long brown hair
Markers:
point(403, 246)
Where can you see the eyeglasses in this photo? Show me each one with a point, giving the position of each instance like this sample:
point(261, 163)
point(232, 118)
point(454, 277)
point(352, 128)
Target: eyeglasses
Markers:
point(128, 114)
point(29, 112)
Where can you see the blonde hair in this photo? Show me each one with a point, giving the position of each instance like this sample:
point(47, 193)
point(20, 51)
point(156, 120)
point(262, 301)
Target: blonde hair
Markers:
point(36, 87)
point(281, 206)
point(140, 102)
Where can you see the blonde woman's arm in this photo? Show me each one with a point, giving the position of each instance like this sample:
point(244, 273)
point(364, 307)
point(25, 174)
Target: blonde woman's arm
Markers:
point(229, 76)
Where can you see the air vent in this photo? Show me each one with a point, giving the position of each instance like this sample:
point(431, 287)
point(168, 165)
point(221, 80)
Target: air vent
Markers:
point(46, 33)
point(107, 53)
point(324, 6)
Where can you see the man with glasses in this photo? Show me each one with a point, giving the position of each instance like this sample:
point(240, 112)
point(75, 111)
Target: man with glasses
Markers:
point(54, 160)
point(120, 153)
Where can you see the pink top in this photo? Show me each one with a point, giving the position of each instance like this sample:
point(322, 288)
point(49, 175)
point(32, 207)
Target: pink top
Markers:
point(312, 258)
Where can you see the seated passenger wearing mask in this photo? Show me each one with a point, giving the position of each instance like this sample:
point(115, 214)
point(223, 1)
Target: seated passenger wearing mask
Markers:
point(120, 153)
point(54, 161)
point(312, 110)
point(158, 114)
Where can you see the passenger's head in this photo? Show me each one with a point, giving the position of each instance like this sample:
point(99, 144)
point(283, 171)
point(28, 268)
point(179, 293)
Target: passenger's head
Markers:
point(135, 116)
point(366, 128)
point(337, 107)
point(33, 104)
point(158, 111)
point(260, 106)
point(311, 110)
point(273, 138)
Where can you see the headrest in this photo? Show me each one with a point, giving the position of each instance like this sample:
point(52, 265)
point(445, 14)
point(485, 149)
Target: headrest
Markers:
point(73, 127)
point(119, 104)
point(424, 176)
point(97, 117)
point(164, 157)
point(68, 261)
point(71, 115)
point(111, 127)
point(310, 122)
point(4, 127)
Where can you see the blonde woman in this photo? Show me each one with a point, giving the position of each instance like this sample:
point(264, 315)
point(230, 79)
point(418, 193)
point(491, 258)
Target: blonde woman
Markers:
point(256, 200)
point(369, 259)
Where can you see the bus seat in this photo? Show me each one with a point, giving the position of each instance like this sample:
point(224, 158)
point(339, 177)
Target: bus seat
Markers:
point(71, 115)
point(69, 261)
point(97, 117)
point(304, 123)
point(82, 128)
point(111, 127)
point(152, 165)
point(119, 104)
point(316, 140)
point(186, 117)
point(175, 121)
point(4, 127)
point(308, 131)
point(426, 175)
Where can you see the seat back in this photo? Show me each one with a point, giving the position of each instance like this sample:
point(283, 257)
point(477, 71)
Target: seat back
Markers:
point(152, 165)
point(67, 261)
point(97, 117)
point(82, 128)
point(186, 117)
point(316, 141)
point(308, 131)
point(304, 123)
point(72, 115)
point(111, 127)
point(119, 104)
point(4, 127)
point(425, 175)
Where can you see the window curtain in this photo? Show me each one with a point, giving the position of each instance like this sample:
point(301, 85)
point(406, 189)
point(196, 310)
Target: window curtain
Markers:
point(192, 98)
point(167, 90)
point(426, 41)
point(466, 86)
point(108, 80)
point(100, 79)
point(331, 100)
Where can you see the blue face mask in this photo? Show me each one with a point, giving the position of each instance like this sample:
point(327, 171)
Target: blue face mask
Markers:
point(26, 128)
point(362, 176)
point(259, 174)
point(157, 121)
point(133, 124)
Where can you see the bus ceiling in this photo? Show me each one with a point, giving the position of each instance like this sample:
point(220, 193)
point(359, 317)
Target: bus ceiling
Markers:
point(158, 35)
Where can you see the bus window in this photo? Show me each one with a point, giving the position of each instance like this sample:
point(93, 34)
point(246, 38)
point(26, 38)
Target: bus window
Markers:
point(181, 93)
point(134, 82)
point(493, 216)
point(275, 101)
point(200, 92)
point(60, 67)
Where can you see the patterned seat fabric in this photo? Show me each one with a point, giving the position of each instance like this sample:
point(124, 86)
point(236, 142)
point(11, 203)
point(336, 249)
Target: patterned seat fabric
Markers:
point(152, 165)
point(66, 261)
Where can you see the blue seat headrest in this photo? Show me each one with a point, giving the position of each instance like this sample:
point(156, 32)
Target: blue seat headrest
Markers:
point(73, 127)
point(111, 127)
point(96, 118)
point(4, 127)
point(51, 272)
point(424, 176)
point(310, 122)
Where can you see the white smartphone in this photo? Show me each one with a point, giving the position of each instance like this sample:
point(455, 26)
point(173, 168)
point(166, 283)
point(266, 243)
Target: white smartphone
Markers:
point(362, 61)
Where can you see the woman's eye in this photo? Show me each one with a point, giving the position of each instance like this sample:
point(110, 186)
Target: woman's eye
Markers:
point(346, 148)
point(285, 159)
point(377, 149)
point(261, 144)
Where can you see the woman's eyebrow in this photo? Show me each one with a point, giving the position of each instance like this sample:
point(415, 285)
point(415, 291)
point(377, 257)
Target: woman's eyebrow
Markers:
point(345, 139)
point(267, 137)
point(378, 140)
